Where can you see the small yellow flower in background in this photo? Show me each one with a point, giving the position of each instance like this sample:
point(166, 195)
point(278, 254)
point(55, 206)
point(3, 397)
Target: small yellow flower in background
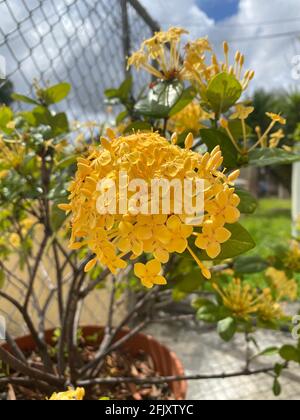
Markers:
point(275, 138)
point(71, 395)
point(284, 287)
point(4, 174)
point(268, 308)
point(150, 274)
point(292, 258)
point(201, 73)
point(276, 118)
point(15, 240)
point(242, 112)
point(191, 118)
point(211, 239)
point(240, 298)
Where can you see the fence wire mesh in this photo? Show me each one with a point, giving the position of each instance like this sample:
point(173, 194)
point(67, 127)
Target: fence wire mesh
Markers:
point(83, 42)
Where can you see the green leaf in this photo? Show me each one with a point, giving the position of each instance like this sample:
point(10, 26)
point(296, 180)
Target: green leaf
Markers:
point(160, 100)
point(190, 282)
point(223, 92)
point(65, 163)
point(213, 137)
point(212, 313)
point(186, 98)
point(42, 115)
point(236, 129)
point(121, 117)
point(278, 369)
point(271, 351)
point(277, 388)
point(111, 93)
point(138, 126)
point(6, 115)
point(227, 328)
point(248, 204)
point(56, 93)
point(25, 99)
point(239, 243)
point(250, 265)
point(125, 89)
point(59, 124)
point(290, 354)
point(268, 157)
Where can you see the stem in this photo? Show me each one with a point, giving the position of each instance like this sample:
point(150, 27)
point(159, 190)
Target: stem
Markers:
point(168, 379)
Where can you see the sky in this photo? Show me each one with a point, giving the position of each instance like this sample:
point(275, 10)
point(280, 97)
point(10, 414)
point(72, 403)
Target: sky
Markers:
point(252, 26)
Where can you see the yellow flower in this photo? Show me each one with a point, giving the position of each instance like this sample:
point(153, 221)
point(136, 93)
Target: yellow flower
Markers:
point(276, 118)
point(164, 48)
point(4, 174)
point(292, 258)
point(179, 234)
point(242, 112)
point(150, 273)
point(240, 298)
point(199, 71)
point(211, 238)
point(127, 233)
point(275, 138)
point(224, 208)
point(284, 288)
point(70, 395)
point(268, 308)
point(15, 240)
point(191, 118)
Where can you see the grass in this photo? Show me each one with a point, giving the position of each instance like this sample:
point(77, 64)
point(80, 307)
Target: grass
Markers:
point(269, 225)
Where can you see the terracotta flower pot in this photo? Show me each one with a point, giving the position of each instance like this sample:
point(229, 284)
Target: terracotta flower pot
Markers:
point(166, 362)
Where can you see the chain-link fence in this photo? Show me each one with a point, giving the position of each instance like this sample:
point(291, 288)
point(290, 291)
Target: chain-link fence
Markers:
point(83, 42)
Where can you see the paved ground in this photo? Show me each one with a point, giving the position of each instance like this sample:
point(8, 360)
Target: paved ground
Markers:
point(206, 353)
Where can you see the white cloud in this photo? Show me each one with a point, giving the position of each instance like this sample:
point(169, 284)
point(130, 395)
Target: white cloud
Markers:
point(270, 58)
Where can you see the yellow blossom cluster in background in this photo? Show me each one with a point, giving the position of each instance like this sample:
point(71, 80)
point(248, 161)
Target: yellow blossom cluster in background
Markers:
point(267, 139)
point(191, 119)
point(245, 300)
point(149, 156)
point(12, 155)
point(292, 258)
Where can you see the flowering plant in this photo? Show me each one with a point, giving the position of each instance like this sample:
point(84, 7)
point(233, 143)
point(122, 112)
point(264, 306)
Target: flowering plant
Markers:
point(87, 202)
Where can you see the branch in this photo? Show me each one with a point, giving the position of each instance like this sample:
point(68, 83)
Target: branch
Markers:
point(168, 379)
point(26, 370)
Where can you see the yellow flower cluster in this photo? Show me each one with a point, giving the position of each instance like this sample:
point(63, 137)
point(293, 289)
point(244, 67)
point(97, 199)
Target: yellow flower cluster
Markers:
point(198, 71)
point(191, 119)
point(267, 139)
point(70, 395)
point(283, 287)
point(292, 258)
point(164, 49)
point(12, 154)
point(245, 300)
point(148, 156)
